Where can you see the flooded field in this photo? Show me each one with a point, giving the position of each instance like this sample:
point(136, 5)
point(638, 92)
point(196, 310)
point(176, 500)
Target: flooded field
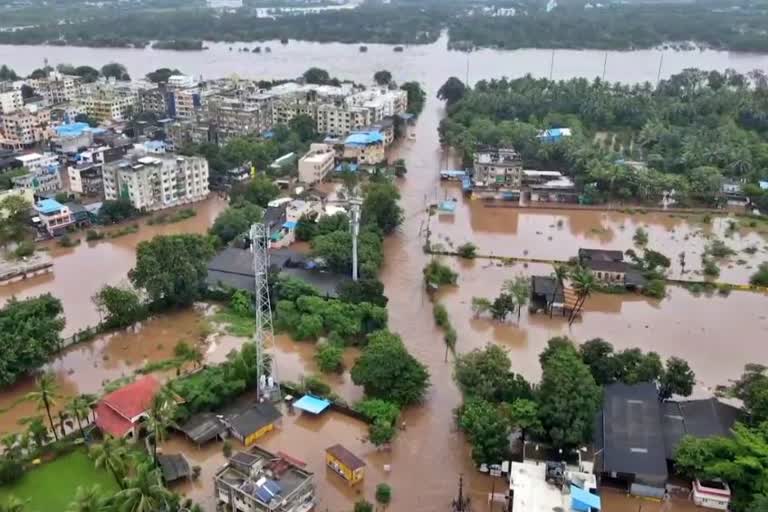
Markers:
point(79, 272)
point(557, 234)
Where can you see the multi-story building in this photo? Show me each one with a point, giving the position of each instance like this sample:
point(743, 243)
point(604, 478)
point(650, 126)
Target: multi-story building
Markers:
point(110, 102)
point(54, 216)
point(236, 116)
point(182, 133)
point(316, 164)
point(498, 167)
point(154, 100)
point(71, 137)
point(186, 103)
point(57, 88)
point(25, 128)
point(85, 178)
point(339, 120)
point(380, 101)
point(158, 181)
point(10, 101)
point(260, 481)
point(43, 175)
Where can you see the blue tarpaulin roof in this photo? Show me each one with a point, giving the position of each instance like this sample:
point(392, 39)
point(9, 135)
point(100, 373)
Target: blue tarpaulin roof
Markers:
point(583, 500)
point(72, 129)
point(48, 206)
point(312, 404)
point(447, 206)
point(290, 224)
point(364, 138)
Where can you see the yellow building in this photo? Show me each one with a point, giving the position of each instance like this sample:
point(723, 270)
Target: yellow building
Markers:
point(345, 463)
point(252, 423)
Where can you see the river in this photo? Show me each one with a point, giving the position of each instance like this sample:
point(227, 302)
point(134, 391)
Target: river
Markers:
point(717, 335)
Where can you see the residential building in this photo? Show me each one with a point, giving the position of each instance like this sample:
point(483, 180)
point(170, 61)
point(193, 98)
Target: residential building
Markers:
point(184, 132)
point(110, 102)
point(498, 167)
point(122, 412)
point(365, 148)
point(181, 81)
point(154, 100)
point(54, 216)
point(71, 138)
point(317, 163)
point(158, 181)
point(234, 116)
point(261, 481)
point(249, 424)
point(186, 103)
point(609, 267)
point(43, 173)
point(337, 121)
point(10, 101)
point(86, 179)
point(637, 434)
point(25, 128)
point(380, 101)
point(534, 488)
point(57, 88)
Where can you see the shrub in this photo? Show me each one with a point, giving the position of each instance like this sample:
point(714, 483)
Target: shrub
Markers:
point(656, 288)
point(437, 274)
point(641, 237)
point(710, 268)
point(67, 241)
point(226, 448)
point(718, 249)
point(760, 278)
point(329, 357)
point(467, 250)
point(92, 235)
point(315, 386)
point(441, 315)
point(10, 470)
point(383, 494)
point(24, 249)
point(363, 506)
point(376, 409)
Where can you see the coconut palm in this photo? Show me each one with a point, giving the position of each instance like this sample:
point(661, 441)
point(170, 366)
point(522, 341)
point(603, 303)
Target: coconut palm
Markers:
point(110, 455)
point(13, 504)
point(520, 291)
point(89, 499)
point(560, 273)
point(79, 409)
point(160, 417)
point(584, 284)
point(45, 396)
point(144, 492)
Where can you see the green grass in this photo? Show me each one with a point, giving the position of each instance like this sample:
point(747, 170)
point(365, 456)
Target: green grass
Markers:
point(236, 325)
point(53, 485)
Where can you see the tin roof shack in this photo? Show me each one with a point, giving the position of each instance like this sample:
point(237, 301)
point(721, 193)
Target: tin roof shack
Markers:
point(610, 268)
point(260, 481)
point(546, 294)
point(345, 463)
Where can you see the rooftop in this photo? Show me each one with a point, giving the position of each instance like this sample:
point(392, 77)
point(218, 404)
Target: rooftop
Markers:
point(134, 398)
point(364, 138)
point(29, 157)
point(346, 457)
point(600, 254)
point(48, 206)
point(252, 418)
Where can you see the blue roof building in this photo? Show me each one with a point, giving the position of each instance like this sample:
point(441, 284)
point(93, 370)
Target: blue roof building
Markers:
point(72, 129)
point(364, 138)
point(49, 206)
point(554, 134)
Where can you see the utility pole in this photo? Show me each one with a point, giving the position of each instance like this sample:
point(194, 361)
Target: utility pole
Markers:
point(658, 75)
point(466, 80)
point(605, 65)
point(354, 220)
point(460, 504)
point(264, 334)
point(552, 64)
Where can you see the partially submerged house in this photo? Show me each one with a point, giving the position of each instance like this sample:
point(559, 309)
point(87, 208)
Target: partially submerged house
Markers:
point(345, 463)
point(249, 423)
point(636, 434)
point(122, 413)
point(610, 268)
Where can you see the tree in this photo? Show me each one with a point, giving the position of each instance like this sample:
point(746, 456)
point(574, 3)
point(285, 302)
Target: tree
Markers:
point(116, 71)
point(598, 355)
point(436, 274)
point(87, 73)
point(144, 491)
point(110, 455)
point(13, 504)
point(760, 277)
point(7, 74)
point(380, 207)
point(486, 374)
point(416, 97)
point(79, 408)
point(369, 290)
point(677, 379)
point(568, 397)
point(487, 430)
point(172, 269)
point(501, 306)
point(523, 414)
point(376, 409)
point(451, 91)
point(560, 274)
point(116, 211)
point(336, 250)
point(259, 191)
point(37, 430)
point(383, 494)
point(89, 499)
point(752, 389)
point(363, 506)
point(480, 306)
point(121, 306)
point(382, 77)
point(329, 357)
point(45, 396)
point(303, 126)
point(160, 417)
point(467, 250)
point(235, 221)
point(14, 224)
point(306, 228)
point(380, 433)
point(519, 289)
point(584, 284)
point(162, 75)
point(386, 370)
point(316, 76)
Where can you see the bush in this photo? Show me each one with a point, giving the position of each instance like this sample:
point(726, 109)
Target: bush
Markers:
point(441, 316)
point(92, 235)
point(656, 288)
point(718, 249)
point(330, 358)
point(363, 506)
point(383, 494)
point(10, 470)
point(437, 274)
point(226, 448)
point(641, 237)
point(67, 241)
point(760, 278)
point(710, 268)
point(24, 249)
point(467, 250)
point(376, 409)
point(315, 386)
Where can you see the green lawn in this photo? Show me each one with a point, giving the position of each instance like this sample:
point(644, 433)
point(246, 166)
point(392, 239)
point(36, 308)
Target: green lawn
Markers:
point(52, 486)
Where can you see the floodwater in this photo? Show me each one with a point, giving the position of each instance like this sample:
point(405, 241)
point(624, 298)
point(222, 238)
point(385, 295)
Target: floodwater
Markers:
point(557, 234)
point(79, 272)
point(429, 455)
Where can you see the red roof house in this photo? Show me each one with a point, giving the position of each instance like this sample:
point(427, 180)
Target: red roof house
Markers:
point(119, 413)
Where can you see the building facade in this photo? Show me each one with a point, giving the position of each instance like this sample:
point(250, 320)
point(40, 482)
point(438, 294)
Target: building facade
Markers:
point(43, 175)
point(498, 167)
point(110, 102)
point(10, 101)
point(86, 179)
point(57, 88)
point(316, 164)
point(54, 216)
point(158, 181)
point(25, 128)
point(234, 117)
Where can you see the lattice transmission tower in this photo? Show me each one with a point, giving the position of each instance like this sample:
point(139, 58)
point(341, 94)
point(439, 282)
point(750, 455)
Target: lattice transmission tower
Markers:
point(268, 385)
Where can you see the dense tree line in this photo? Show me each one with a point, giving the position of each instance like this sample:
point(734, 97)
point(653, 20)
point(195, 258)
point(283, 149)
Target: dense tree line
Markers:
point(691, 131)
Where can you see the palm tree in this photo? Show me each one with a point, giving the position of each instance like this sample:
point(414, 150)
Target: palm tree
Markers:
point(110, 455)
point(89, 499)
point(45, 396)
point(560, 273)
point(13, 504)
point(144, 492)
point(78, 408)
point(520, 291)
point(160, 417)
point(583, 283)
point(10, 446)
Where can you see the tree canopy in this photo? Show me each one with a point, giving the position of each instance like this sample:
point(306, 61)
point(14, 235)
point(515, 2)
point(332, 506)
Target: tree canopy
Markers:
point(116, 71)
point(235, 221)
point(161, 75)
point(382, 77)
point(380, 207)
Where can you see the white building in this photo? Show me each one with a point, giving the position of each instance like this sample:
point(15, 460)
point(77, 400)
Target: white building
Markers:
point(43, 173)
point(57, 88)
point(316, 164)
point(181, 81)
point(10, 101)
point(25, 128)
point(158, 181)
point(533, 493)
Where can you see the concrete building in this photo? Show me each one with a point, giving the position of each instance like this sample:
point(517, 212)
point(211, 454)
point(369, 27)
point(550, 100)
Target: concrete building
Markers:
point(86, 179)
point(186, 103)
point(183, 132)
point(532, 489)
point(154, 100)
point(260, 481)
point(43, 173)
point(10, 101)
point(25, 128)
point(54, 216)
point(317, 163)
point(57, 88)
point(234, 117)
point(365, 148)
point(498, 167)
point(338, 120)
point(72, 137)
point(110, 102)
point(158, 181)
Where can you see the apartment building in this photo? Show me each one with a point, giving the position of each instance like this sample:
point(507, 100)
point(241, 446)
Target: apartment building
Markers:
point(110, 102)
point(380, 101)
point(57, 88)
point(43, 173)
point(339, 120)
point(186, 103)
point(260, 481)
point(54, 216)
point(154, 100)
point(231, 116)
point(85, 178)
point(10, 101)
point(317, 163)
point(498, 167)
point(157, 181)
point(184, 132)
point(25, 128)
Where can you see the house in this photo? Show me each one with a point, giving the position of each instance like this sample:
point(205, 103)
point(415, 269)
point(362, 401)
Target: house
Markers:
point(733, 193)
point(81, 217)
point(122, 413)
point(365, 148)
point(531, 491)
point(546, 293)
point(316, 164)
point(249, 423)
point(54, 216)
point(261, 481)
point(173, 467)
point(636, 435)
point(561, 190)
point(497, 167)
point(345, 463)
point(610, 268)
point(86, 178)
